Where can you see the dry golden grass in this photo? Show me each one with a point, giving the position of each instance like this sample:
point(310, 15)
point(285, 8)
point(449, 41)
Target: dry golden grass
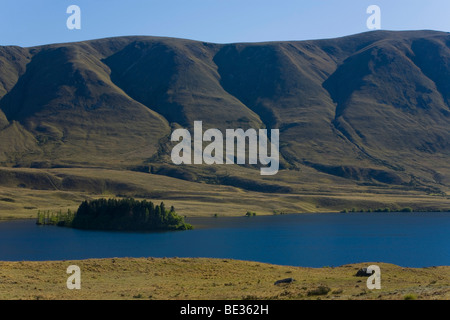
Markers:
point(46, 189)
point(210, 279)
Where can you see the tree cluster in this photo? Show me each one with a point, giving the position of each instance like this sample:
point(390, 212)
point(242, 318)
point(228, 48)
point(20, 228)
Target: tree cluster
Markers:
point(119, 214)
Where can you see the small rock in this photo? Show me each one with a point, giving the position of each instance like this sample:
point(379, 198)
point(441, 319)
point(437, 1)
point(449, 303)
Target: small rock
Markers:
point(362, 273)
point(287, 280)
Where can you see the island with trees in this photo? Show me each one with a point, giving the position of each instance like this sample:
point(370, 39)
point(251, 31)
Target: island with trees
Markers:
point(117, 214)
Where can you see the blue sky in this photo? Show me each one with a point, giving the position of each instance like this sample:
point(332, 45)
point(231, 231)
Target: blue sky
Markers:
point(35, 22)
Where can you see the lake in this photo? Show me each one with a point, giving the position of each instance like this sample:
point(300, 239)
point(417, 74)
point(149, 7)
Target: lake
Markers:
point(308, 240)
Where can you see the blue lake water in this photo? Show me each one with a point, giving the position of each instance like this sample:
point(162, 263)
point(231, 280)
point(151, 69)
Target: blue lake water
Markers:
point(309, 240)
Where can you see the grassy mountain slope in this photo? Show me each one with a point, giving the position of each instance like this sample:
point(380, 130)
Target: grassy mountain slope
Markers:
point(68, 102)
point(370, 110)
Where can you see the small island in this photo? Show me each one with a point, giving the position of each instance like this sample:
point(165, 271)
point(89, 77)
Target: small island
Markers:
point(118, 215)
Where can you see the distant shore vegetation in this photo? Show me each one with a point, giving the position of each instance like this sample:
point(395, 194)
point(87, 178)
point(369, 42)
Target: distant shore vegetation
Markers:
point(117, 214)
point(387, 209)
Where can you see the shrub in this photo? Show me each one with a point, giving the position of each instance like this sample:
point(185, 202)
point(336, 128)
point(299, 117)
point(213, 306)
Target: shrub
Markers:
point(410, 296)
point(320, 291)
point(338, 291)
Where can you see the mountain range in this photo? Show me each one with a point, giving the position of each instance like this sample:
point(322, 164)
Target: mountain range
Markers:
point(371, 108)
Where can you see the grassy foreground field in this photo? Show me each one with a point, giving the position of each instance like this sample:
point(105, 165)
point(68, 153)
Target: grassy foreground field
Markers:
point(194, 278)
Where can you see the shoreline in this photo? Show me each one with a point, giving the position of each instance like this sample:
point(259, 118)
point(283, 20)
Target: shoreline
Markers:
point(88, 260)
point(262, 214)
